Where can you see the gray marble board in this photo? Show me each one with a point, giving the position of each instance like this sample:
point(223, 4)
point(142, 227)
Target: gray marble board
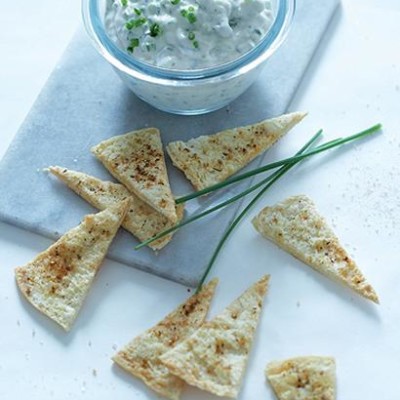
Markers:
point(84, 102)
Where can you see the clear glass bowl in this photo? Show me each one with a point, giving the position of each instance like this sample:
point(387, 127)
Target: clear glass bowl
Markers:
point(188, 92)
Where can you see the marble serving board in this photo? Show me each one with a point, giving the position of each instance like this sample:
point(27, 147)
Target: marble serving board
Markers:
point(84, 103)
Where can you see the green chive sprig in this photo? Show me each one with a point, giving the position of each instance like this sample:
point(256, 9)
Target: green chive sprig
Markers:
point(286, 163)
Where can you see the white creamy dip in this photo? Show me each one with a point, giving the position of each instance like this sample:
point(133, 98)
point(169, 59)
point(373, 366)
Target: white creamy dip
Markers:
point(187, 34)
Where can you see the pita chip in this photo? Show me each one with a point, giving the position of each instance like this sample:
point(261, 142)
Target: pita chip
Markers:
point(141, 356)
point(208, 160)
point(137, 160)
point(297, 227)
point(58, 280)
point(141, 220)
point(214, 357)
point(303, 378)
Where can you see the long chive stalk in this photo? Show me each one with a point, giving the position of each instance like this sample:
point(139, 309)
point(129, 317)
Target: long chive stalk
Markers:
point(319, 149)
point(212, 209)
point(275, 176)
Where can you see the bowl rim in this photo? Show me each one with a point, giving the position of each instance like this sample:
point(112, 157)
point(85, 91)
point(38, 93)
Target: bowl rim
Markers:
point(164, 76)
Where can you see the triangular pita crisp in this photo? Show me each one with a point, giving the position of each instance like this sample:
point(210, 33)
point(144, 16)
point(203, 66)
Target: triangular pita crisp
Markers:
point(141, 356)
point(296, 226)
point(303, 378)
point(207, 160)
point(57, 281)
point(141, 220)
point(214, 358)
point(137, 160)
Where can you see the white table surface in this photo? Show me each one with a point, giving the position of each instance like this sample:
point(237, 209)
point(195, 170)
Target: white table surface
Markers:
point(352, 83)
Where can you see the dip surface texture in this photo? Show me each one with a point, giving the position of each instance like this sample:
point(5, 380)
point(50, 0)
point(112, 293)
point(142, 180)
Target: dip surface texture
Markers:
point(187, 34)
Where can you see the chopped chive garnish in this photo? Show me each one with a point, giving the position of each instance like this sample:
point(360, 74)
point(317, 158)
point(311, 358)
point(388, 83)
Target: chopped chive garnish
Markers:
point(150, 46)
point(191, 17)
point(137, 11)
point(155, 30)
point(140, 22)
point(212, 209)
point(286, 163)
point(175, 2)
point(191, 36)
point(133, 44)
point(135, 23)
point(124, 3)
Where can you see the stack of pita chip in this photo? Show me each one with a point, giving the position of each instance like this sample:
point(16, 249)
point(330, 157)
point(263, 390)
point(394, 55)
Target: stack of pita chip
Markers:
point(142, 220)
point(297, 227)
point(141, 357)
point(210, 355)
point(208, 160)
point(303, 378)
point(57, 281)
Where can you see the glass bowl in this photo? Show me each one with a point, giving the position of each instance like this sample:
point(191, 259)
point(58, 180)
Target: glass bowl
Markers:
point(188, 92)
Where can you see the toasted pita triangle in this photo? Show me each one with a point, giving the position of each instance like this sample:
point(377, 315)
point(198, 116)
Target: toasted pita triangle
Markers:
point(57, 281)
point(296, 226)
point(214, 358)
point(141, 356)
point(207, 160)
point(137, 160)
point(303, 378)
point(141, 220)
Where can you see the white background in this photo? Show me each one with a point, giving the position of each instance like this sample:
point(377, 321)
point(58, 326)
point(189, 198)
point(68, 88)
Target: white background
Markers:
point(353, 82)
